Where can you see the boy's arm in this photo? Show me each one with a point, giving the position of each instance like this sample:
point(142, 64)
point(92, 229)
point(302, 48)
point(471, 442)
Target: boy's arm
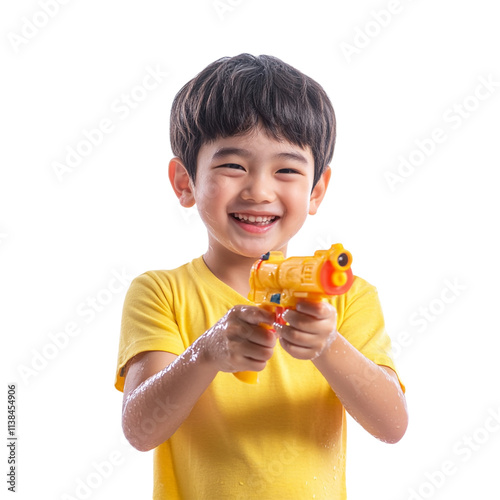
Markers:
point(159, 393)
point(162, 388)
point(370, 393)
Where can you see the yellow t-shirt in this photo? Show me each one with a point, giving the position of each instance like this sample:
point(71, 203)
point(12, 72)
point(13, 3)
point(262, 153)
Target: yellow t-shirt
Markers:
point(284, 438)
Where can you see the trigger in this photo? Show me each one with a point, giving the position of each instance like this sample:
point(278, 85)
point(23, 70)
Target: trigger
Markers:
point(279, 316)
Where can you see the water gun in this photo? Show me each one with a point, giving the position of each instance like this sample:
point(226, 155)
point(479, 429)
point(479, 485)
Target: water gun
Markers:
point(277, 283)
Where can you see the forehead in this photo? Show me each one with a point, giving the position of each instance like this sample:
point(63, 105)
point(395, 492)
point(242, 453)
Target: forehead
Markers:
point(257, 144)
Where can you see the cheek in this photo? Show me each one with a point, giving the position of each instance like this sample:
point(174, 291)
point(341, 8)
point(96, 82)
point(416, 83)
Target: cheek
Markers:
point(298, 202)
point(213, 189)
point(212, 198)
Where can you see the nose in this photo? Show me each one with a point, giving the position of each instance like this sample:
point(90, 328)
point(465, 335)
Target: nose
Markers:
point(259, 189)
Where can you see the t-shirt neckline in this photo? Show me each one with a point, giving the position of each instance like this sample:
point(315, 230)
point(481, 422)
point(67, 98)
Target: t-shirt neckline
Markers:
point(204, 272)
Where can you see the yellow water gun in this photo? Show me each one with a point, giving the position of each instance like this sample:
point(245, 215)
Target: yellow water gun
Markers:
point(277, 283)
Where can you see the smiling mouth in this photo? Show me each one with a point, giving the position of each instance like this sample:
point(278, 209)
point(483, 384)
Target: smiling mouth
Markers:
point(255, 220)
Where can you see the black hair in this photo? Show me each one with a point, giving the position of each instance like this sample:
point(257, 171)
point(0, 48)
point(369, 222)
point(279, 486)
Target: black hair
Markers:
point(234, 95)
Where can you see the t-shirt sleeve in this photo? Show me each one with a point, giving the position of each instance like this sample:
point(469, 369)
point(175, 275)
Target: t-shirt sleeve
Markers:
point(148, 322)
point(362, 324)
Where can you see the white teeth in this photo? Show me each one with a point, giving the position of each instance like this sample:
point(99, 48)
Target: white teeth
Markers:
point(252, 218)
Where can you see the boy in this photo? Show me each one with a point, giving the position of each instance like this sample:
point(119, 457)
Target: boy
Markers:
point(253, 138)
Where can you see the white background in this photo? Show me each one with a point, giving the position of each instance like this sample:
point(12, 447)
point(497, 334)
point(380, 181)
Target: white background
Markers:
point(429, 244)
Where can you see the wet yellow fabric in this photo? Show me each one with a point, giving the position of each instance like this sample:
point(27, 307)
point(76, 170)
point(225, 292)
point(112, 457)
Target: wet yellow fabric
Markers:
point(284, 438)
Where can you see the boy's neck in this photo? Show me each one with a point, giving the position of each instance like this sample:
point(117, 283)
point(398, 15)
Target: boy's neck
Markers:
point(233, 270)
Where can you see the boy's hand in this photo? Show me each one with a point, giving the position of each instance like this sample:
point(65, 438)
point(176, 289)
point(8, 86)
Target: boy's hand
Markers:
point(311, 328)
point(239, 341)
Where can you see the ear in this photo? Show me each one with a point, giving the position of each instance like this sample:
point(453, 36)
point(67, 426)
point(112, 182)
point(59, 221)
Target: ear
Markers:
point(181, 182)
point(319, 191)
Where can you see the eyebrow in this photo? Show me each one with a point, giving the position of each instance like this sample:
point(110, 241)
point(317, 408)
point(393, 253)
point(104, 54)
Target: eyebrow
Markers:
point(226, 151)
point(221, 152)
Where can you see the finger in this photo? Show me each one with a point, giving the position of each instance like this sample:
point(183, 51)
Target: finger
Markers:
point(297, 351)
point(254, 315)
point(299, 338)
point(319, 310)
point(239, 330)
point(261, 336)
point(300, 346)
point(256, 352)
point(308, 324)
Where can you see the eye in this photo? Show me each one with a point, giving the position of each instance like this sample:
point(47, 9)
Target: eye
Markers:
point(288, 171)
point(234, 166)
point(343, 260)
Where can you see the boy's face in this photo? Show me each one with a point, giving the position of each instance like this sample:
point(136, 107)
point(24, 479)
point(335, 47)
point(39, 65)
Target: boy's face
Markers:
point(253, 193)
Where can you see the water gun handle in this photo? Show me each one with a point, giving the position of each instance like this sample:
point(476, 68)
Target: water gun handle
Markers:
point(248, 377)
